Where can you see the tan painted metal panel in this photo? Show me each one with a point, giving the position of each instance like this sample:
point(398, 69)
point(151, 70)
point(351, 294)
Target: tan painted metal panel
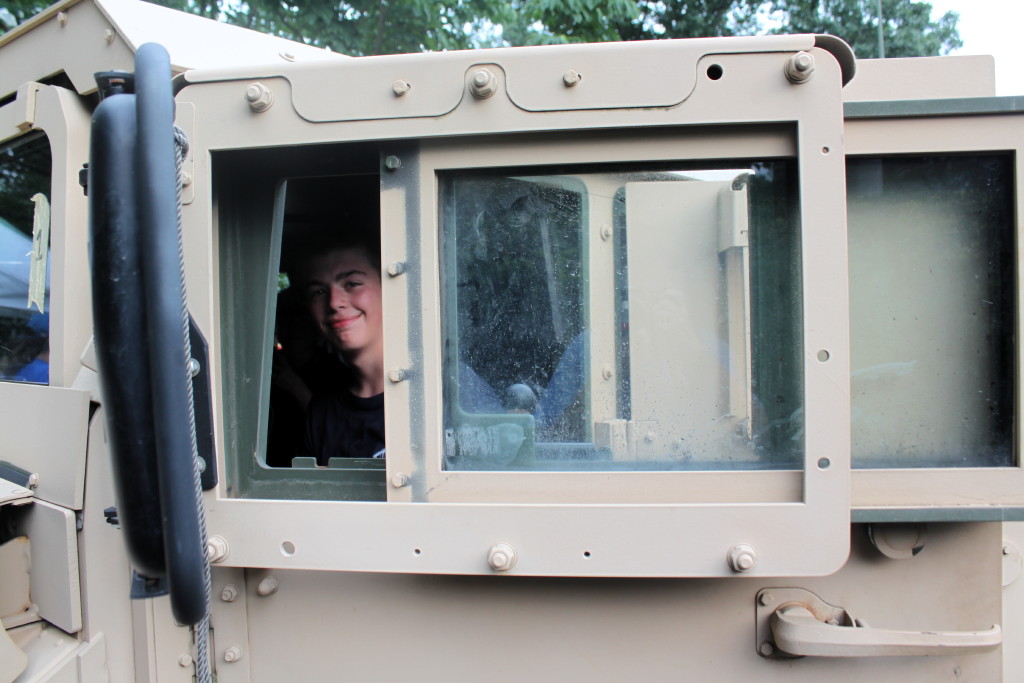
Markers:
point(44, 432)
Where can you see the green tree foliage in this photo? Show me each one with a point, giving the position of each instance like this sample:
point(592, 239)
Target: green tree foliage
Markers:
point(908, 30)
point(370, 27)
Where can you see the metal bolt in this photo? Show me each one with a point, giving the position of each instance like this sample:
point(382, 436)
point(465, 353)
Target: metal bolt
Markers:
point(287, 56)
point(108, 36)
point(401, 87)
point(259, 97)
point(267, 586)
point(62, 19)
point(395, 269)
point(766, 649)
point(606, 372)
point(501, 557)
point(229, 593)
point(392, 163)
point(766, 599)
point(397, 375)
point(184, 660)
point(186, 178)
point(483, 84)
point(193, 367)
point(571, 78)
point(800, 67)
point(232, 654)
point(400, 479)
point(217, 548)
point(606, 232)
point(742, 558)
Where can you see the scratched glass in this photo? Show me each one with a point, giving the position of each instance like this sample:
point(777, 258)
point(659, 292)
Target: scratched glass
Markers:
point(932, 310)
point(623, 319)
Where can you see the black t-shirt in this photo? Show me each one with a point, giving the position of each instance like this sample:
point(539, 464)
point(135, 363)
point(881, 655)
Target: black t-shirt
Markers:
point(341, 425)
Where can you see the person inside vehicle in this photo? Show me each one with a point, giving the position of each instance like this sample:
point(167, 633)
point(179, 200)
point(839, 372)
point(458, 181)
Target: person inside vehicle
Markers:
point(340, 285)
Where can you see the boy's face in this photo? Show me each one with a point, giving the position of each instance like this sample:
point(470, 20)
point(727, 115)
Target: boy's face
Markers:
point(343, 293)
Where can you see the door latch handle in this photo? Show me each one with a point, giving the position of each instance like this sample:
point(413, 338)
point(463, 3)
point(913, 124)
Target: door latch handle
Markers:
point(796, 631)
point(793, 622)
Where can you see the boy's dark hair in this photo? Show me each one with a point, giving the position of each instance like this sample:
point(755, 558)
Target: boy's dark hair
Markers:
point(334, 213)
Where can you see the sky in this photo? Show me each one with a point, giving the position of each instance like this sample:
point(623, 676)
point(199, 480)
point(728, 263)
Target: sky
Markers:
point(991, 27)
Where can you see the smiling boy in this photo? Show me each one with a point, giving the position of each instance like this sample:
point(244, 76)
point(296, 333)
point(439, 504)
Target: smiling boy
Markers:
point(342, 291)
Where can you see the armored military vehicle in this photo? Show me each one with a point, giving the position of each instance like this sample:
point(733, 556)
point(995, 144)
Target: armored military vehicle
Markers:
point(700, 360)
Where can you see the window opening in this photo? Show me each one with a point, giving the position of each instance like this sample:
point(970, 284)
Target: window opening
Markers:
point(932, 310)
point(326, 407)
point(25, 168)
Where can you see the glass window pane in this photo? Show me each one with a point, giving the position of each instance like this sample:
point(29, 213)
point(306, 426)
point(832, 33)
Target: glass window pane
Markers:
point(635, 319)
point(24, 315)
point(932, 310)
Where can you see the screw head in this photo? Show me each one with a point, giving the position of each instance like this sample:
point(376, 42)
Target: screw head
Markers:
point(400, 87)
point(392, 163)
point(483, 83)
point(742, 558)
point(259, 97)
point(217, 548)
point(229, 593)
point(399, 480)
point(800, 67)
point(501, 557)
point(397, 375)
point(395, 269)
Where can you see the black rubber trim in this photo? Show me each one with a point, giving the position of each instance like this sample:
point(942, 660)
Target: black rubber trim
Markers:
point(120, 331)
point(157, 178)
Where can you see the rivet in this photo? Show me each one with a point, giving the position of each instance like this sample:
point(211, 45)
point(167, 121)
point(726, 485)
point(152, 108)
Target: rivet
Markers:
point(606, 232)
point(766, 649)
point(571, 78)
point(400, 87)
point(392, 163)
point(606, 372)
point(400, 479)
point(186, 178)
point(267, 586)
point(193, 367)
point(184, 660)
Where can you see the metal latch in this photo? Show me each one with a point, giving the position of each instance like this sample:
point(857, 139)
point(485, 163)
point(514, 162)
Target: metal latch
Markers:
point(792, 622)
